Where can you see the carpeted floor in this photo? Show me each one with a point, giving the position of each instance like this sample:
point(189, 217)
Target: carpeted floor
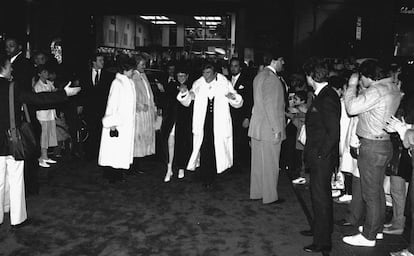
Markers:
point(77, 213)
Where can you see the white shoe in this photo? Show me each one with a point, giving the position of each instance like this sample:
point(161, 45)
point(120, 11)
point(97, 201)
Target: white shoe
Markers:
point(404, 252)
point(50, 161)
point(379, 236)
point(359, 240)
point(336, 193)
point(299, 181)
point(345, 198)
point(42, 163)
point(168, 176)
point(181, 173)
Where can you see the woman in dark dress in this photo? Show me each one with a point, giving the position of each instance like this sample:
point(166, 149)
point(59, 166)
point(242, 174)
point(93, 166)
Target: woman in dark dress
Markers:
point(177, 127)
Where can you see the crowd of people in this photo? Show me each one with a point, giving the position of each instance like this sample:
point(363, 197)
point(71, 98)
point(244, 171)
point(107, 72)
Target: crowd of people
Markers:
point(329, 119)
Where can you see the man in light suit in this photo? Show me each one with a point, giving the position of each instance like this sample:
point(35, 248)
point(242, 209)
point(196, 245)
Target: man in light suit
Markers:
point(267, 131)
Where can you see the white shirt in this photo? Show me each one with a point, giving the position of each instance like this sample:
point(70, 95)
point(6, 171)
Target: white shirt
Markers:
point(14, 57)
point(271, 68)
point(319, 88)
point(94, 73)
point(234, 79)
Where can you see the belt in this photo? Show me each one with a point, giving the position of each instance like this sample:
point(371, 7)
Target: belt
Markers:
point(373, 137)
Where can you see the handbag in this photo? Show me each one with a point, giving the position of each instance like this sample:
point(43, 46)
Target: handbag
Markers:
point(21, 140)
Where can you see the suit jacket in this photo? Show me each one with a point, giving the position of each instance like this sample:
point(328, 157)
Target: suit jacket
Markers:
point(323, 127)
point(94, 97)
point(268, 114)
point(243, 87)
point(23, 72)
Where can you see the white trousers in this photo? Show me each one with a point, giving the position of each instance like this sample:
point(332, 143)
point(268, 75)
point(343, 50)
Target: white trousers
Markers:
point(12, 190)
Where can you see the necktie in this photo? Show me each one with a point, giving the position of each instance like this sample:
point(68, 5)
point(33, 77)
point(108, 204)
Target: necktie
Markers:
point(233, 80)
point(96, 77)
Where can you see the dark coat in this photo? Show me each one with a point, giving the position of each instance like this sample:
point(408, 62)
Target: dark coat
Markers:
point(244, 87)
point(23, 72)
point(322, 128)
point(42, 100)
point(94, 97)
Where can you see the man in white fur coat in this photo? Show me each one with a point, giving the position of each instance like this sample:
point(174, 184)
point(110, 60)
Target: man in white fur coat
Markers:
point(212, 127)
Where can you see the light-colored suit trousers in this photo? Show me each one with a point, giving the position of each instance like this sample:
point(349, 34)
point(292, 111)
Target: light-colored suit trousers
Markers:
point(11, 171)
point(265, 170)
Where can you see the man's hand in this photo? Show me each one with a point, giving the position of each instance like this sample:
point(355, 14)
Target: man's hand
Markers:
point(192, 95)
point(159, 86)
point(246, 123)
point(71, 91)
point(353, 80)
point(395, 125)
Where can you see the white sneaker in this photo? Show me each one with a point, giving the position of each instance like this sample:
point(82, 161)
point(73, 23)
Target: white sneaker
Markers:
point(404, 252)
point(50, 161)
point(168, 176)
point(299, 181)
point(359, 240)
point(379, 236)
point(181, 173)
point(336, 193)
point(42, 163)
point(345, 198)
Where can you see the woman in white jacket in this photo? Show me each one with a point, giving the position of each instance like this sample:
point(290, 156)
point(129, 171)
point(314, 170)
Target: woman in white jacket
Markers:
point(117, 141)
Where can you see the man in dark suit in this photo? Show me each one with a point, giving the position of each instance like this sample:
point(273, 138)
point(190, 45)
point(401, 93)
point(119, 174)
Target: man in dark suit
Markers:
point(95, 86)
point(241, 116)
point(23, 72)
point(267, 131)
point(321, 153)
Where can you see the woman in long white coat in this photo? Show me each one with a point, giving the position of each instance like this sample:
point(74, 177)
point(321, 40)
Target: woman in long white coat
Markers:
point(117, 141)
point(212, 128)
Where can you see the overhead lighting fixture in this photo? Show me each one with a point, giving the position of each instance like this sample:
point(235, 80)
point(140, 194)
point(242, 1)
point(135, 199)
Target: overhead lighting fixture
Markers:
point(198, 18)
point(163, 22)
point(212, 23)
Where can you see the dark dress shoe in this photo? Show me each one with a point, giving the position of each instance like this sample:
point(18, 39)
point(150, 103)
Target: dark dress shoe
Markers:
point(343, 223)
point(315, 248)
point(306, 232)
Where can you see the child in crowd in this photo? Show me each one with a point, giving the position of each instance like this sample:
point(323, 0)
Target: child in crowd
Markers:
point(46, 118)
point(297, 110)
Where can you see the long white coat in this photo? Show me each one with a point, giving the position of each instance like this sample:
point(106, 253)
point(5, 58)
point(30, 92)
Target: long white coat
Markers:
point(117, 152)
point(223, 132)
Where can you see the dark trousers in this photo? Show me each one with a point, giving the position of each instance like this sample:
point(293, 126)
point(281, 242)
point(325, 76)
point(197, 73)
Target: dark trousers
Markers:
point(287, 155)
point(321, 196)
point(31, 165)
point(112, 174)
point(208, 169)
point(297, 165)
point(374, 156)
point(241, 148)
point(357, 206)
point(94, 139)
point(411, 191)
